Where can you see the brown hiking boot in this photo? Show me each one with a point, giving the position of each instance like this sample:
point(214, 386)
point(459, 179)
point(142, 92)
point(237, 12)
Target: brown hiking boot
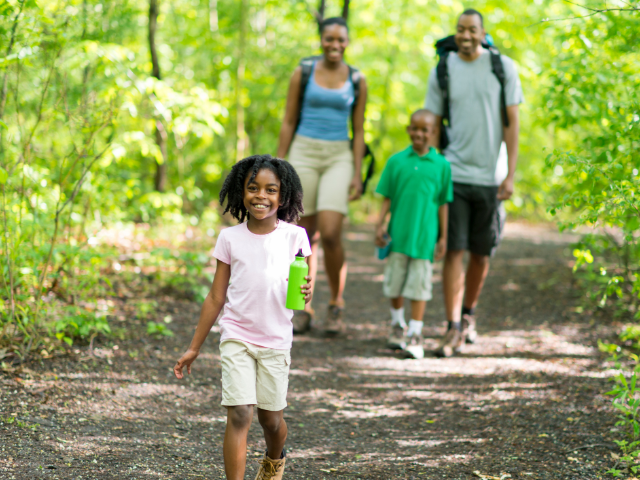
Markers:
point(333, 321)
point(301, 321)
point(469, 328)
point(450, 344)
point(271, 469)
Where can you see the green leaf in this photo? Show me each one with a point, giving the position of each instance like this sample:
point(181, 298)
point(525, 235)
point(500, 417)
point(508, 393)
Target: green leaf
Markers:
point(4, 176)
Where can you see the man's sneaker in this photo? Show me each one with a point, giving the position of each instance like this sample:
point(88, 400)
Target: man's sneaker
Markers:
point(415, 346)
point(397, 337)
point(301, 321)
point(333, 321)
point(271, 469)
point(450, 344)
point(469, 332)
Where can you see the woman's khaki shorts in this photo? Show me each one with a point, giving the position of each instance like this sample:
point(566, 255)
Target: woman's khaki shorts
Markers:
point(407, 277)
point(253, 375)
point(325, 168)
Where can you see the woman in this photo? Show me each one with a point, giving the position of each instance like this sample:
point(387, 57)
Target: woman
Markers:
point(320, 151)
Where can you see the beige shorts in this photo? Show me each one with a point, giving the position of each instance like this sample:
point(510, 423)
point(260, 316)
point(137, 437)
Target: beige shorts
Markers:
point(325, 168)
point(407, 277)
point(253, 375)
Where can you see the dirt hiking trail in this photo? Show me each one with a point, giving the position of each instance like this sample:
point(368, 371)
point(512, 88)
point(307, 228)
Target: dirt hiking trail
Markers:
point(525, 402)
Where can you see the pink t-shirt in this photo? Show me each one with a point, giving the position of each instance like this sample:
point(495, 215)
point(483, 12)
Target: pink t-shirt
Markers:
point(255, 311)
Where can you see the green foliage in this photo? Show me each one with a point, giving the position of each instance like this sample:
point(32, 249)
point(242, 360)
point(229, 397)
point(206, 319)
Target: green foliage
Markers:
point(158, 329)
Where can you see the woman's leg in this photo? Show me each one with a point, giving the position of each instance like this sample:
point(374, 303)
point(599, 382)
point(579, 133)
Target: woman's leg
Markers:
point(235, 440)
point(275, 432)
point(330, 228)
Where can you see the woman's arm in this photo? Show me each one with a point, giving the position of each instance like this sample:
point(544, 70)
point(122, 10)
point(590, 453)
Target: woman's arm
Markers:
point(208, 316)
point(358, 140)
point(292, 110)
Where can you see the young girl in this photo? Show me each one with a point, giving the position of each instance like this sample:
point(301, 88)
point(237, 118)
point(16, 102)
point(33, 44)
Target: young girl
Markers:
point(253, 261)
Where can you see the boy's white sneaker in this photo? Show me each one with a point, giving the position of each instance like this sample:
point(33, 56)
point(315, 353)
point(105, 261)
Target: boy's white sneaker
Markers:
point(397, 337)
point(415, 346)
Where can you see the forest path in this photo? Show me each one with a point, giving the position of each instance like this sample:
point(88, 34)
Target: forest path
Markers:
point(524, 402)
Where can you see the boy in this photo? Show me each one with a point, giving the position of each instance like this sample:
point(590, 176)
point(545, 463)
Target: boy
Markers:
point(416, 184)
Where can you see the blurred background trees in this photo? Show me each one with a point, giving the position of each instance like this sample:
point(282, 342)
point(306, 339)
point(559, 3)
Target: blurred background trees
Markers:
point(123, 113)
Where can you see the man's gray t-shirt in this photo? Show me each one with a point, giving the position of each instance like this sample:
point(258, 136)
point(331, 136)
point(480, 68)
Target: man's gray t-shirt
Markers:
point(475, 149)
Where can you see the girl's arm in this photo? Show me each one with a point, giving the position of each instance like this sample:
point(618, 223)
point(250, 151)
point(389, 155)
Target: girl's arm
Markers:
point(358, 140)
point(208, 316)
point(291, 113)
point(381, 230)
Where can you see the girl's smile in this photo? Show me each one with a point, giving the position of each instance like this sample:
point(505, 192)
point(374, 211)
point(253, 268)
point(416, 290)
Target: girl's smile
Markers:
point(262, 200)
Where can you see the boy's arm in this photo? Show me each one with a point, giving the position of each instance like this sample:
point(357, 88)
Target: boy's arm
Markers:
point(208, 316)
point(443, 221)
point(381, 229)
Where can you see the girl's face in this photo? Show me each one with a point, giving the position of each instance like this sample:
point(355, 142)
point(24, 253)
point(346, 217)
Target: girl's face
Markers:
point(262, 194)
point(334, 40)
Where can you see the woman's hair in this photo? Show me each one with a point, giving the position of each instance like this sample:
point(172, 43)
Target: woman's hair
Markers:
point(332, 21)
point(290, 187)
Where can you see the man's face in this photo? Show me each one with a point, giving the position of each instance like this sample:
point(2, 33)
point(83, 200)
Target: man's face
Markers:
point(469, 34)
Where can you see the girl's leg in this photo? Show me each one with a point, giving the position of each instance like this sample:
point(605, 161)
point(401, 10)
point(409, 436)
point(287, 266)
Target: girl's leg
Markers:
point(235, 440)
point(330, 227)
point(275, 432)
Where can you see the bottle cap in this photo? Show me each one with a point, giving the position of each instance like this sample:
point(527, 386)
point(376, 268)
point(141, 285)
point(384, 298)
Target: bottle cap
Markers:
point(300, 254)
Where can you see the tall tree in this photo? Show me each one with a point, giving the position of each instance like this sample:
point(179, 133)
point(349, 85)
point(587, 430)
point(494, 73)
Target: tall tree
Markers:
point(242, 140)
point(160, 133)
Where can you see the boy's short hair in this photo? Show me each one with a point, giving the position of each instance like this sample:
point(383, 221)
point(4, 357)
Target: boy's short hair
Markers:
point(423, 112)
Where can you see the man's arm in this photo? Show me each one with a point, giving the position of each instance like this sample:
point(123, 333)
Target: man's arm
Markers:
point(510, 135)
point(434, 140)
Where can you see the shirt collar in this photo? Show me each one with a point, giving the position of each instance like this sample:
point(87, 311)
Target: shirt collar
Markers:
point(413, 153)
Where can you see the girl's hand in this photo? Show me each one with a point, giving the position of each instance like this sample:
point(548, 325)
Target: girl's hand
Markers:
point(306, 289)
point(355, 188)
point(382, 237)
point(185, 361)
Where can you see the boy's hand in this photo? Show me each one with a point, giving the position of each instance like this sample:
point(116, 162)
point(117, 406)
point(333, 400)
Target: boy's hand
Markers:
point(306, 289)
point(441, 249)
point(382, 237)
point(185, 361)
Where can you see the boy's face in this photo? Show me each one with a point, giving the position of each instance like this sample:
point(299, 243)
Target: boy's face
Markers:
point(420, 131)
point(262, 194)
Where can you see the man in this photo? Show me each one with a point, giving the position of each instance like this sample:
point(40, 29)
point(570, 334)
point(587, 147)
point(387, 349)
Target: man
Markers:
point(476, 133)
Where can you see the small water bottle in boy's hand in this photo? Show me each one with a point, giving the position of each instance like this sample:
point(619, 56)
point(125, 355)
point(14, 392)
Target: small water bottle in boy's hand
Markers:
point(383, 252)
point(297, 271)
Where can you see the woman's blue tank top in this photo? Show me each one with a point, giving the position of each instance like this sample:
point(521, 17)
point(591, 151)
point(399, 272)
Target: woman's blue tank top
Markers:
point(325, 111)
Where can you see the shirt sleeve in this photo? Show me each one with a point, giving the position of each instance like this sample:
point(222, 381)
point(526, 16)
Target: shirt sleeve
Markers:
point(302, 242)
point(512, 87)
point(433, 102)
point(384, 187)
point(446, 194)
point(221, 251)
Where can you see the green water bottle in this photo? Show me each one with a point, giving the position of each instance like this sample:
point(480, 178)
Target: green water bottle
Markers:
point(297, 271)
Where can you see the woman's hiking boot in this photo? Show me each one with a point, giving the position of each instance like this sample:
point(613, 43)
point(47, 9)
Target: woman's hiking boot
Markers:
point(450, 344)
point(469, 332)
point(301, 321)
point(333, 321)
point(397, 338)
point(271, 469)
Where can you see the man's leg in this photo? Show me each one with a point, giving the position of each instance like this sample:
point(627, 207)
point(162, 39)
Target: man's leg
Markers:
point(453, 284)
point(476, 274)
point(235, 440)
point(275, 431)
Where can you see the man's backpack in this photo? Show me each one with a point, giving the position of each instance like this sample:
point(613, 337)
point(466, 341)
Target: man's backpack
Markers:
point(444, 47)
point(307, 67)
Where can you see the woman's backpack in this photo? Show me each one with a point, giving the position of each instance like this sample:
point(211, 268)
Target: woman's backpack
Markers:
point(444, 47)
point(307, 67)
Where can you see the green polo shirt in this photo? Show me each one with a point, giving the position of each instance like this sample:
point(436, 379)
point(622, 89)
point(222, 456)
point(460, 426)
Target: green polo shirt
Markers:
point(417, 186)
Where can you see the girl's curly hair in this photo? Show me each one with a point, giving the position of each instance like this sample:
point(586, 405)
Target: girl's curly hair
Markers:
point(290, 187)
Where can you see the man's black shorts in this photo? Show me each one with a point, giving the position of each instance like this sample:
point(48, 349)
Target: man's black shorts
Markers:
point(476, 218)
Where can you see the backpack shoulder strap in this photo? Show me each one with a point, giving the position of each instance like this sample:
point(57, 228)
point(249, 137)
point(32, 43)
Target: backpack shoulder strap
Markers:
point(498, 71)
point(355, 76)
point(442, 74)
point(307, 67)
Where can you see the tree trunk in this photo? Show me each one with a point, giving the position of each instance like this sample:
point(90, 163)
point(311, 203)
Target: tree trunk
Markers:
point(345, 10)
point(160, 134)
point(213, 15)
point(242, 142)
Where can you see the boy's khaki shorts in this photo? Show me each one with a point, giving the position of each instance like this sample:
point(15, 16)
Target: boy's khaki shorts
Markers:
point(253, 375)
point(407, 277)
point(325, 168)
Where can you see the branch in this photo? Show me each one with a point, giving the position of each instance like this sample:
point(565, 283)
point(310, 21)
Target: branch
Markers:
point(3, 95)
point(594, 11)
